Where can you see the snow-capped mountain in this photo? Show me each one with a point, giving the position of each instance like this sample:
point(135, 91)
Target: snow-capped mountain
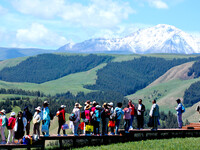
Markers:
point(158, 39)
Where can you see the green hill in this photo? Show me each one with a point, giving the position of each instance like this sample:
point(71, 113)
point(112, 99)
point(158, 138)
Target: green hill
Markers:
point(167, 88)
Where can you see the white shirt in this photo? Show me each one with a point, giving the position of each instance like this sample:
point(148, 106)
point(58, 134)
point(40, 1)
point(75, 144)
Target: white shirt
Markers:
point(139, 108)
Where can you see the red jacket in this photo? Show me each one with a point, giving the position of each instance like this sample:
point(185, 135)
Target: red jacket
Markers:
point(11, 122)
point(132, 108)
point(61, 115)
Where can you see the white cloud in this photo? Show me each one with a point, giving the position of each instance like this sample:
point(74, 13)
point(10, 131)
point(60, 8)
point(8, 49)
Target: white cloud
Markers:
point(158, 4)
point(97, 13)
point(39, 35)
point(3, 10)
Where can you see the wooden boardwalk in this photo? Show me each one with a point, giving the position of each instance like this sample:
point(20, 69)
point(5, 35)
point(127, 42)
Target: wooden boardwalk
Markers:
point(70, 141)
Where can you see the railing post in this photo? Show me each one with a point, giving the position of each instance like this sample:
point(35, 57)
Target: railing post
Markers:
point(60, 143)
point(43, 145)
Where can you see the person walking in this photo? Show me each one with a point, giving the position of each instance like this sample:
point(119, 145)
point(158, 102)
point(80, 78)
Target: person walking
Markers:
point(36, 121)
point(127, 117)
point(154, 114)
point(11, 125)
point(28, 115)
point(3, 125)
point(131, 105)
point(20, 127)
point(179, 109)
point(46, 117)
point(118, 111)
point(61, 119)
point(140, 109)
point(76, 112)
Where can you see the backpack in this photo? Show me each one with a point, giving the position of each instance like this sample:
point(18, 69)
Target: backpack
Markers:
point(83, 114)
point(94, 117)
point(114, 116)
point(72, 117)
point(183, 109)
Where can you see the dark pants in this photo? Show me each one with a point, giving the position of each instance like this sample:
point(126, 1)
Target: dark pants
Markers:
point(117, 123)
point(60, 123)
point(27, 128)
point(127, 124)
point(140, 121)
point(96, 127)
point(104, 126)
point(155, 122)
point(36, 128)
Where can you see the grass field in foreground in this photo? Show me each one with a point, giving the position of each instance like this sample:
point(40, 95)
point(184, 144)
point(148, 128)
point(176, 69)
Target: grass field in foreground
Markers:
point(164, 144)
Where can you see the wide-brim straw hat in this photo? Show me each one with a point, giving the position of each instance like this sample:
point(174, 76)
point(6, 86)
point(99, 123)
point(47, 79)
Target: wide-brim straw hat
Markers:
point(46, 102)
point(77, 105)
point(63, 106)
point(3, 111)
point(87, 106)
point(110, 104)
point(38, 108)
point(12, 114)
point(98, 106)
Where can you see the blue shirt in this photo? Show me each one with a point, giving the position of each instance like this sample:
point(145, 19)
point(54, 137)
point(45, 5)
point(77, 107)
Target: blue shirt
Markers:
point(119, 112)
point(97, 115)
point(179, 109)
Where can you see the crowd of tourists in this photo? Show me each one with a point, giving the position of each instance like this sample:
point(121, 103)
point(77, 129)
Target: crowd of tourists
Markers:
point(92, 119)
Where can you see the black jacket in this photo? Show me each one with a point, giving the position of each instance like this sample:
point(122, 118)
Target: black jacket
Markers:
point(142, 110)
point(28, 115)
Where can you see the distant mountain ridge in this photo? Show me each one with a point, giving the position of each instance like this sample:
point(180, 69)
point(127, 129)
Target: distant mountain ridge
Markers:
point(9, 53)
point(158, 39)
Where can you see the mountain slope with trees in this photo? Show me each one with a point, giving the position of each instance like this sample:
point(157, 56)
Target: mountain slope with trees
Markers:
point(47, 67)
point(127, 77)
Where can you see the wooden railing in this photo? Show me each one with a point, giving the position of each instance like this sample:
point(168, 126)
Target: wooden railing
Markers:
point(71, 141)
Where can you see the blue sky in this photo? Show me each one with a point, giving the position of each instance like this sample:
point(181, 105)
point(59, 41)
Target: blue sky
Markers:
point(52, 23)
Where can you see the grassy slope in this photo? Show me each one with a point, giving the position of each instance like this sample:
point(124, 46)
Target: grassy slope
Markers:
point(166, 144)
point(166, 93)
point(167, 89)
point(73, 83)
point(4, 96)
point(11, 62)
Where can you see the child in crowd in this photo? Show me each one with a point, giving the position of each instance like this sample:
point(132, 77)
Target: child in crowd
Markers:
point(11, 124)
point(3, 125)
point(36, 121)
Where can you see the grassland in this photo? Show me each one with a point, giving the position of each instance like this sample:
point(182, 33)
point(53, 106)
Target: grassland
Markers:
point(73, 83)
point(166, 144)
point(165, 93)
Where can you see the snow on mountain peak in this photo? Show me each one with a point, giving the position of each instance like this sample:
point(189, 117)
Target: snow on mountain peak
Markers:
point(161, 38)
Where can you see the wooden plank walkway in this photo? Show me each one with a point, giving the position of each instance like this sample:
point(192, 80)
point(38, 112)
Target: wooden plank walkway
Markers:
point(133, 135)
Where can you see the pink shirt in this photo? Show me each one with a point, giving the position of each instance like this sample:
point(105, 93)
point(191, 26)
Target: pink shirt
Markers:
point(87, 115)
point(127, 113)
